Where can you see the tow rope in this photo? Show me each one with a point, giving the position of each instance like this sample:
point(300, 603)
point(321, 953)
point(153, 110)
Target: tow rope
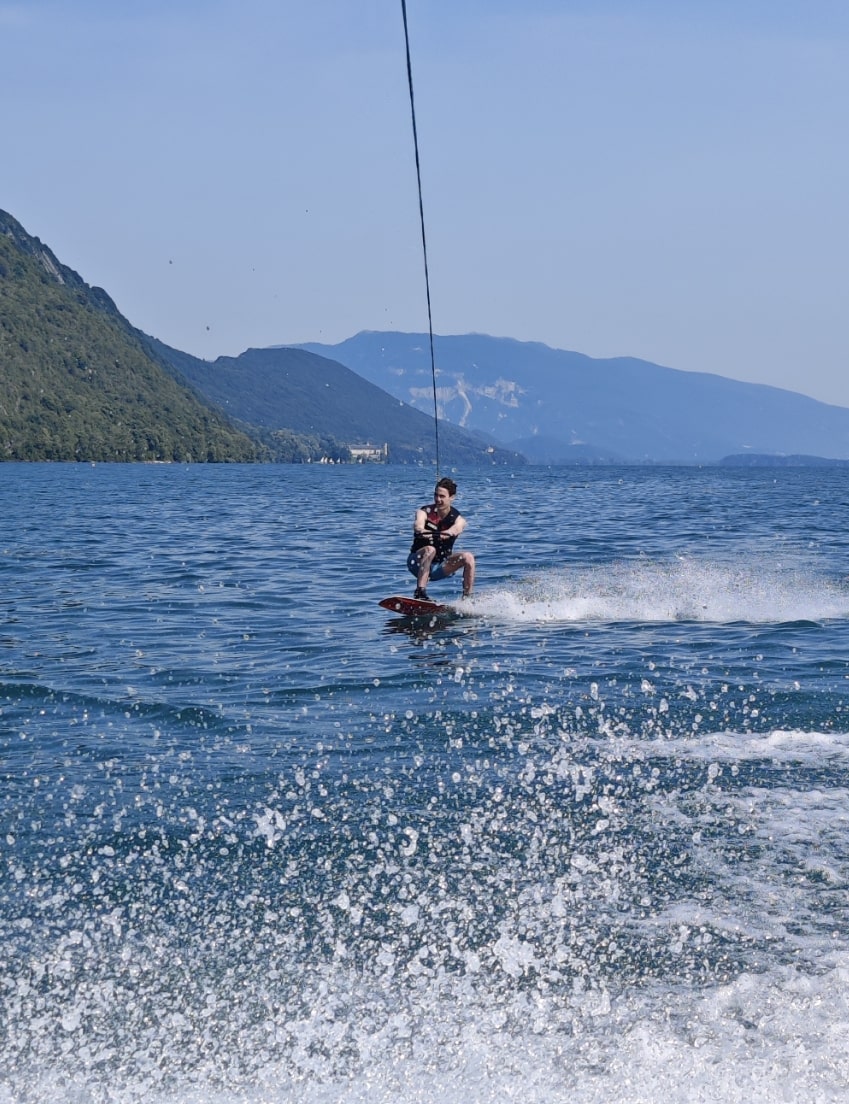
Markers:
point(424, 238)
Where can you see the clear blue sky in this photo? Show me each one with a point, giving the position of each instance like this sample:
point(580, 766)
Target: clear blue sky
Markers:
point(666, 179)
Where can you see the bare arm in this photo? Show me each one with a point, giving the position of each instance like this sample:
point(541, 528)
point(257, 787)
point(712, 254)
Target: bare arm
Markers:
point(419, 524)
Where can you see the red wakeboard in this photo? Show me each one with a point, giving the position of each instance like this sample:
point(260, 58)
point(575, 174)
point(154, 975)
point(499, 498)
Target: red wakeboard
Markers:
point(411, 607)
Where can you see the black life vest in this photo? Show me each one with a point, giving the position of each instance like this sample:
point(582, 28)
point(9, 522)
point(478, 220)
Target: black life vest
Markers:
point(435, 525)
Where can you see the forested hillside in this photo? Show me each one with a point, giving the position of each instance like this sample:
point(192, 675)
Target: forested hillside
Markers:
point(78, 382)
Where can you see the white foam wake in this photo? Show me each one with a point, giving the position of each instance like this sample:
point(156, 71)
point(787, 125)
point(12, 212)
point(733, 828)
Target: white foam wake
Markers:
point(681, 590)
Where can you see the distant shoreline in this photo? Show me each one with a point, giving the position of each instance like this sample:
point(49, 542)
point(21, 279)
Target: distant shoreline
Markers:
point(742, 460)
point(765, 460)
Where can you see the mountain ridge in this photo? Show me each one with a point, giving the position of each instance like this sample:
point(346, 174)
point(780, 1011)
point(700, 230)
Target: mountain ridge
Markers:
point(551, 401)
point(314, 394)
point(81, 382)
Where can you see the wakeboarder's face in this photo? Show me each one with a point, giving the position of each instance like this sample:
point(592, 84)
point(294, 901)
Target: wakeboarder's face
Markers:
point(442, 499)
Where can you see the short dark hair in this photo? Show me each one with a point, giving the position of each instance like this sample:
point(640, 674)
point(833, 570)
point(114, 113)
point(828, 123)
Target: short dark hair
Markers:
point(448, 484)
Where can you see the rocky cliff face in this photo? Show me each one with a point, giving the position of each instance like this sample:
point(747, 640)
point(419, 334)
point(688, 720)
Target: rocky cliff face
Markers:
point(33, 247)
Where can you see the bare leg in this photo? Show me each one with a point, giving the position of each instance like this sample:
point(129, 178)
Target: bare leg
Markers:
point(467, 561)
point(425, 560)
point(468, 574)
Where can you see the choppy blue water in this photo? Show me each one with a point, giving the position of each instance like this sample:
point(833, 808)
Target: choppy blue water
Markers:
point(260, 841)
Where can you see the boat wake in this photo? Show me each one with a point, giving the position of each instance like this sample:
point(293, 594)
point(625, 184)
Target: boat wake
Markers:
point(682, 590)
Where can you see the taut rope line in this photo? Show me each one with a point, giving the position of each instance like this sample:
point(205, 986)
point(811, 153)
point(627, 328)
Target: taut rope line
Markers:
point(424, 238)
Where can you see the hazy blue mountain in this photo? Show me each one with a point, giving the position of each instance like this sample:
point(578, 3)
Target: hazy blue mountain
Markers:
point(773, 460)
point(558, 406)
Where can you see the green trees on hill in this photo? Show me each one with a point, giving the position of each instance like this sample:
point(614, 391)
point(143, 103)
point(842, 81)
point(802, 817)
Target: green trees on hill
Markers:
point(77, 384)
point(287, 447)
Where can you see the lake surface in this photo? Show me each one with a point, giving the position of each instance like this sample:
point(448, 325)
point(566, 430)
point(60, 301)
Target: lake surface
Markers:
point(586, 840)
